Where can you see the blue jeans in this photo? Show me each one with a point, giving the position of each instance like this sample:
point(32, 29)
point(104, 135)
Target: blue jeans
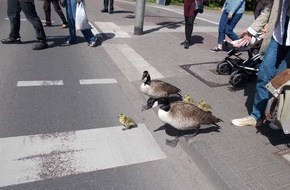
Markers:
point(276, 59)
point(226, 27)
point(71, 15)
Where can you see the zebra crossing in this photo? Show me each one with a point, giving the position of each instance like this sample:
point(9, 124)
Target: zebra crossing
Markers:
point(45, 156)
point(39, 157)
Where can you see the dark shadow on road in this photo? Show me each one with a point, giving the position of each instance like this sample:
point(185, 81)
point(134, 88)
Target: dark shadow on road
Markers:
point(122, 12)
point(107, 36)
point(276, 137)
point(249, 91)
point(171, 131)
point(61, 41)
point(196, 40)
point(169, 25)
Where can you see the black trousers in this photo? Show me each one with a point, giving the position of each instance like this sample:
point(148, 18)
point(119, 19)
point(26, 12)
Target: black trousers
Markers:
point(57, 8)
point(13, 11)
point(109, 5)
point(189, 26)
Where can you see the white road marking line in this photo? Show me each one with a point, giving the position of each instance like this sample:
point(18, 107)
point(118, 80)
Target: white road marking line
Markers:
point(286, 156)
point(38, 157)
point(95, 31)
point(110, 27)
point(40, 83)
point(130, 62)
point(98, 81)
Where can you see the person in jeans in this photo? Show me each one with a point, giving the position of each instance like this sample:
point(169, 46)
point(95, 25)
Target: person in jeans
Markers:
point(57, 8)
point(232, 12)
point(71, 15)
point(108, 6)
point(13, 11)
point(276, 59)
point(257, 31)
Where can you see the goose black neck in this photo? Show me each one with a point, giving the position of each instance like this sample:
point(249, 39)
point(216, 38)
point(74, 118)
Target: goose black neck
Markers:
point(165, 107)
point(148, 80)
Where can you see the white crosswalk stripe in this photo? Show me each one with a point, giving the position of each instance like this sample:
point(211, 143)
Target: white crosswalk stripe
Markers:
point(98, 81)
point(109, 28)
point(40, 83)
point(38, 157)
point(130, 62)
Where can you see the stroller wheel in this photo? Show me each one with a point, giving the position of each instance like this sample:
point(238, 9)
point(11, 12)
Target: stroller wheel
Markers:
point(224, 68)
point(238, 79)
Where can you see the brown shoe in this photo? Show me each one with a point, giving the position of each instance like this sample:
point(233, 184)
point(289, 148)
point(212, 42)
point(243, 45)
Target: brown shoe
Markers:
point(47, 24)
point(63, 26)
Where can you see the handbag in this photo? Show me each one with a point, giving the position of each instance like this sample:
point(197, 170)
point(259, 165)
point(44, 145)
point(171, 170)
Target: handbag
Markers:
point(62, 3)
point(81, 21)
point(199, 6)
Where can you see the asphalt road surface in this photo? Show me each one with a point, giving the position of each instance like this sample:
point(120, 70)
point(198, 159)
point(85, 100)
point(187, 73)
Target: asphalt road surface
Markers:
point(58, 115)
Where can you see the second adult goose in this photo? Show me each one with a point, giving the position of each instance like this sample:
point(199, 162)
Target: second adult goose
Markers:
point(157, 88)
point(184, 116)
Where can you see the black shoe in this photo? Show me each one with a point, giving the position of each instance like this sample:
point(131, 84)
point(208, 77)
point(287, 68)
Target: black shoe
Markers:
point(104, 10)
point(110, 12)
point(186, 44)
point(40, 45)
point(11, 40)
point(47, 24)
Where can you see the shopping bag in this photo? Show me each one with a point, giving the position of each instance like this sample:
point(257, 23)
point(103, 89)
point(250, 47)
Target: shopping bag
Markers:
point(81, 22)
point(199, 6)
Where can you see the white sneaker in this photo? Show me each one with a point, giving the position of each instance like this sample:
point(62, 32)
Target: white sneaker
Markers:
point(246, 121)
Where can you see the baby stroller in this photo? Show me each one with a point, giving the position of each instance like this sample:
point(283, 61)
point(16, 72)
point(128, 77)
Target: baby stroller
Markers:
point(239, 69)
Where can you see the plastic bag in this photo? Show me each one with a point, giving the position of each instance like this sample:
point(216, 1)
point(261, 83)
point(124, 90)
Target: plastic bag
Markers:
point(199, 6)
point(81, 22)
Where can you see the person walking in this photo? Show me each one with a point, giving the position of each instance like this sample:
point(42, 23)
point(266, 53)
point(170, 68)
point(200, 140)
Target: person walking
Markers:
point(276, 59)
point(14, 8)
point(189, 17)
point(232, 12)
point(108, 6)
point(71, 15)
point(57, 8)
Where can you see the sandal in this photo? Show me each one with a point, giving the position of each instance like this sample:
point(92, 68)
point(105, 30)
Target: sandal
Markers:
point(215, 49)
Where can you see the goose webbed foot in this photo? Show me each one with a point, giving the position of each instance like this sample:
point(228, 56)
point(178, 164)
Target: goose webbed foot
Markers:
point(172, 143)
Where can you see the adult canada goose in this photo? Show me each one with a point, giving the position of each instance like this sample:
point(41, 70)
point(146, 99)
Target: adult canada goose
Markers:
point(184, 116)
point(157, 88)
